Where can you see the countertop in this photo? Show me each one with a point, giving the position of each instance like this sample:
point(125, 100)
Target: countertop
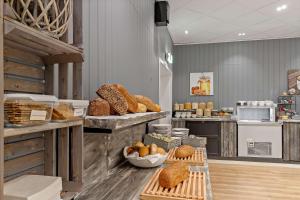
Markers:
point(126, 182)
point(213, 119)
point(119, 122)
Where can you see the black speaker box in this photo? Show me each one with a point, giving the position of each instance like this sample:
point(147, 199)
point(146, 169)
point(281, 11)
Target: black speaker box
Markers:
point(162, 13)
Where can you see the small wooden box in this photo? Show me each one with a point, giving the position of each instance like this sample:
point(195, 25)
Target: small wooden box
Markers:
point(194, 188)
point(197, 159)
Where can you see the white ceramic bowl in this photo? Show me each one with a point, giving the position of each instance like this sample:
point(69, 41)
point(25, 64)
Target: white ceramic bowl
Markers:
point(184, 130)
point(145, 162)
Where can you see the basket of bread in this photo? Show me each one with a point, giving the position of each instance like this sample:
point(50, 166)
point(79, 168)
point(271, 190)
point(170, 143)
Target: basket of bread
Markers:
point(145, 156)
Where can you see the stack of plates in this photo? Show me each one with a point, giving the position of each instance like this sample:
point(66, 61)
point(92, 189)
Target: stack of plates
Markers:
point(164, 129)
point(180, 132)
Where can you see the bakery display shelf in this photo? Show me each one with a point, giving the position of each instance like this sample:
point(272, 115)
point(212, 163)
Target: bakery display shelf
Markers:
point(197, 159)
point(52, 50)
point(193, 188)
point(11, 132)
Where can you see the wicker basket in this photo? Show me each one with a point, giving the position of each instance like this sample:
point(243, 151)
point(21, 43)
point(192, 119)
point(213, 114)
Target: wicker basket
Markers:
point(50, 16)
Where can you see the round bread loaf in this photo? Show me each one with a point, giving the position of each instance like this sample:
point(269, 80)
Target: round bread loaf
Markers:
point(184, 151)
point(99, 107)
point(115, 99)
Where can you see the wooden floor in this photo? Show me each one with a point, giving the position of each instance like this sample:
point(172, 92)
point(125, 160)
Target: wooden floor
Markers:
point(246, 181)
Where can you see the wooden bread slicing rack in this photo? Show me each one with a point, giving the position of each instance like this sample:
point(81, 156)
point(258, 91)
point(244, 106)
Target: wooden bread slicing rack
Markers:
point(193, 188)
point(197, 159)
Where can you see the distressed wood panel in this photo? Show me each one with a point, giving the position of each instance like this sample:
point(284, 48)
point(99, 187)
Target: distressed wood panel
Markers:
point(18, 69)
point(228, 139)
point(39, 170)
point(291, 141)
point(22, 56)
point(18, 149)
point(19, 85)
point(18, 165)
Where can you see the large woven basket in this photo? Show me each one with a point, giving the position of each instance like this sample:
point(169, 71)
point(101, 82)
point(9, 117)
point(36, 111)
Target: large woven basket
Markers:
point(50, 16)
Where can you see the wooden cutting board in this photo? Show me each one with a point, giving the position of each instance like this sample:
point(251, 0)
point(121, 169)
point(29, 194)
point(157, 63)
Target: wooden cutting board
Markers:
point(197, 159)
point(193, 188)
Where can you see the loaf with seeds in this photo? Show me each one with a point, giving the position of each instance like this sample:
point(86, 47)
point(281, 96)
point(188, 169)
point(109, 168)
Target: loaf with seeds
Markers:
point(115, 99)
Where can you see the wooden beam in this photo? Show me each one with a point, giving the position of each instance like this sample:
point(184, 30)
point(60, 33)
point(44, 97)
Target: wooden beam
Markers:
point(77, 154)
point(1, 103)
point(50, 153)
point(63, 75)
point(63, 154)
point(63, 58)
point(77, 41)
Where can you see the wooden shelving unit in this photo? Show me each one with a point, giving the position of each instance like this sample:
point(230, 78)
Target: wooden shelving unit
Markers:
point(60, 149)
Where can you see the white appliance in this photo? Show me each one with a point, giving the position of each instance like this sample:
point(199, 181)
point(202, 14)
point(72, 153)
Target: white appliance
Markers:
point(260, 139)
point(259, 135)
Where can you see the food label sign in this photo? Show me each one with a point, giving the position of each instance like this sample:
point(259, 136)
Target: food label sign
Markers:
point(202, 84)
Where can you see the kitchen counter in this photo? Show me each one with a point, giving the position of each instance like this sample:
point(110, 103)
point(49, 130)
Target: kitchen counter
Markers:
point(126, 182)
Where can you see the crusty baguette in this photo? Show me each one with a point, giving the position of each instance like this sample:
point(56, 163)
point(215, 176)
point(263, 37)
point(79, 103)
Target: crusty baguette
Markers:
point(151, 106)
point(173, 174)
point(141, 108)
point(184, 151)
point(131, 101)
point(115, 99)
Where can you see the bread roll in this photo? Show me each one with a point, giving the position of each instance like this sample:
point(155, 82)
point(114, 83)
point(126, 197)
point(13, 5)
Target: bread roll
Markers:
point(138, 145)
point(184, 151)
point(153, 149)
point(99, 107)
point(115, 99)
point(141, 108)
point(151, 106)
point(158, 107)
point(144, 151)
point(131, 101)
point(174, 174)
point(161, 151)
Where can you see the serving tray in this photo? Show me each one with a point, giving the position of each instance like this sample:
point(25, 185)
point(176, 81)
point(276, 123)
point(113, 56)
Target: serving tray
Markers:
point(193, 188)
point(196, 159)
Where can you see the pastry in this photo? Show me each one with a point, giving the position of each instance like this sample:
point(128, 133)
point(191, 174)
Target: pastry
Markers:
point(173, 174)
point(143, 151)
point(63, 112)
point(99, 107)
point(138, 145)
point(151, 106)
point(161, 151)
point(153, 149)
point(115, 99)
point(141, 108)
point(184, 151)
point(130, 150)
point(131, 101)
point(158, 107)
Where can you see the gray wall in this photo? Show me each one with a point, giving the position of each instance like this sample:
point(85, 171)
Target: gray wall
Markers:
point(122, 45)
point(254, 70)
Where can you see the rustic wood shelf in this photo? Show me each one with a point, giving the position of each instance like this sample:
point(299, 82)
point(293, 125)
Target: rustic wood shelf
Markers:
point(11, 132)
point(50, 49)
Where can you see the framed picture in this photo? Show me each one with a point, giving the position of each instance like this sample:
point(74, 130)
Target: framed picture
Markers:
point(202, 84)
point(294, 81)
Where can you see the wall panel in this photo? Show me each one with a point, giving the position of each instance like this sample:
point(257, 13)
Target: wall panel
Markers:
point(252, 70)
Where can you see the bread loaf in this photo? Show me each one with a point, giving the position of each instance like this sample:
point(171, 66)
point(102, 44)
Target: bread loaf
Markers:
point(115, 99)
point(141, 108)
point(174, 174)
point(151, 106)
point(184, 151)
point(131, 101)
point(99, 107)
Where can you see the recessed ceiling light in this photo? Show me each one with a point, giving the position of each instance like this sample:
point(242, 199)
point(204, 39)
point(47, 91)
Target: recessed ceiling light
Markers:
point(186, 32)
point(281, 8)
point(242, 34)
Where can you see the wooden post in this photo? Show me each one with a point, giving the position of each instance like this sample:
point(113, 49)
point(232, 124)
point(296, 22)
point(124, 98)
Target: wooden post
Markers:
point(63, 75)
point(1, 102)
point(63, 154)
point(49, 79)
point(50, 153)
point(78, 41)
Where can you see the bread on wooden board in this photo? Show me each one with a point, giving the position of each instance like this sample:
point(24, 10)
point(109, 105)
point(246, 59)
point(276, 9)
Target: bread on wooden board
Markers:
point(141, 108)
point(99, 107)
point(184, 151)
point(173, 174)
point(115, 99)
point(131, 101)
point(151, 106)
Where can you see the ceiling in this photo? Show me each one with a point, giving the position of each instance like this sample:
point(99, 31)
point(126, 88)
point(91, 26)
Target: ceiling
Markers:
point(214, 21)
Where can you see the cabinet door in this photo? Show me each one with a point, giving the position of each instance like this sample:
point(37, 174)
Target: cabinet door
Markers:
point(210, 130)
